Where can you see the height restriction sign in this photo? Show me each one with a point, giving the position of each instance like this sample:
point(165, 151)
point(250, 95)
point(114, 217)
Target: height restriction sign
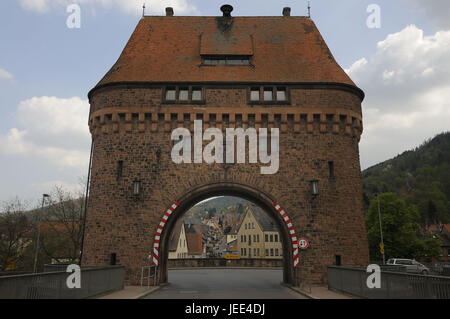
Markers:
point(303, 243)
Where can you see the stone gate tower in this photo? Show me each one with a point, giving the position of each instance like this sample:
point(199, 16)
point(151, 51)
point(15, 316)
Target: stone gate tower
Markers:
point(228, 72)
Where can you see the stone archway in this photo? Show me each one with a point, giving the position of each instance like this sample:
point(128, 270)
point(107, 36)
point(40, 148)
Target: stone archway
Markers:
point(265, 201)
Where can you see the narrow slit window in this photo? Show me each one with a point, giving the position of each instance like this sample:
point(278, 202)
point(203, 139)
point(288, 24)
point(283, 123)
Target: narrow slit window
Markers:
point(112, 259)
point(119, 169)
point(338, 260)
point(331, 169)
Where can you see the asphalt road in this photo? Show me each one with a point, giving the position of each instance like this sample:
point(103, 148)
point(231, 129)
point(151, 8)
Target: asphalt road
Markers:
point(225, 284)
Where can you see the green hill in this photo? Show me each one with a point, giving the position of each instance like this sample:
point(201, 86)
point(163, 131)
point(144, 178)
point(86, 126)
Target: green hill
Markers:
point(420, 176)
point(215, 205)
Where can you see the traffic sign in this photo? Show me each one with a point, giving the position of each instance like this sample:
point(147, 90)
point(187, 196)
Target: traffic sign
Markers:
point(303, 243)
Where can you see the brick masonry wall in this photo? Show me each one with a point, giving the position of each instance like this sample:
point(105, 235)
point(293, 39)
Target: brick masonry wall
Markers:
point(133, 125)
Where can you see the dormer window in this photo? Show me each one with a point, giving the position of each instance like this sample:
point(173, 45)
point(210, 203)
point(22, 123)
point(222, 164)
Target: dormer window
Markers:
point(226, 60)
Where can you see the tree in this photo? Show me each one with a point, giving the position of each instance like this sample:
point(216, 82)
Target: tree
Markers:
point(432, 248)
point(431, 202)
point(61, 230)
point(14, 227)
point(400, 224)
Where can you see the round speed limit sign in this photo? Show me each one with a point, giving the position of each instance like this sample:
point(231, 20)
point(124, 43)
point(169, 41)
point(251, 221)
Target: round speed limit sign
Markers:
point(303, 243)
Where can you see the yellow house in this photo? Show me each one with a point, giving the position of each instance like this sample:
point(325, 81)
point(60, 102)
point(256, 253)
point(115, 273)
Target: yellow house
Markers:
point(258, 236)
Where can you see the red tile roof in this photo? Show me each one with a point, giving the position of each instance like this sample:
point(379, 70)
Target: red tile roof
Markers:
point(447, 228)
point(168, 49)
point(194, 243)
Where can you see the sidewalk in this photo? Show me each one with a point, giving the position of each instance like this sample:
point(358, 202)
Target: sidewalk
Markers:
point(137, 292)
point(322, 292)
point(130, 292)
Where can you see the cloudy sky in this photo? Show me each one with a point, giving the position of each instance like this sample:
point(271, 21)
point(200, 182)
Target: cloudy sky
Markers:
point(46, 70)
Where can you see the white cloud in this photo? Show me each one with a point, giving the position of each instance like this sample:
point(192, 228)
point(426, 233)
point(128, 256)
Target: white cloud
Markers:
point(35, 5)
point(5, 75)
point(436, 11)
point(407, 86)
point(357, 65)
point(54, 129)
point(128, 6)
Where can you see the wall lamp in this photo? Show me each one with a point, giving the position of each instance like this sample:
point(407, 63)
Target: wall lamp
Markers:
point(315, 187)
point(136, 188)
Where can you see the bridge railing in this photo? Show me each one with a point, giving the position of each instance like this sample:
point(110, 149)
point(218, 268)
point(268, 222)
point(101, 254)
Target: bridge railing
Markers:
point(52, 285)
point(394, 285)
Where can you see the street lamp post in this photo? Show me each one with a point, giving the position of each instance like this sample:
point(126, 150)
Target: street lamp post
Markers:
point(381, 229)
point(39, 233)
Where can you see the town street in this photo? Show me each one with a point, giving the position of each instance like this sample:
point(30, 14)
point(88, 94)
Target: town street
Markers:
point(224, 284)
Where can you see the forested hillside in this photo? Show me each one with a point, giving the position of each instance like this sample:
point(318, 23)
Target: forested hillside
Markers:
point(420, 177)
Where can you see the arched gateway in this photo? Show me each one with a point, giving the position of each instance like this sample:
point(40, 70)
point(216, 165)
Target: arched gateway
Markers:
point(178, 208)
point(168, 115)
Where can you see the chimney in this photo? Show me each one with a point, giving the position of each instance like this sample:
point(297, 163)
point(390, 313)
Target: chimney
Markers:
point(169, 12)
point(226, 9)
point(286, 12)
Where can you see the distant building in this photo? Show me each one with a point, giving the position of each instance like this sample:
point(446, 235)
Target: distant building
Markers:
point(258, 236)
point(233, 234)
point(195, 243)
point(178, 247)
point(229, 217)
point(188, 239)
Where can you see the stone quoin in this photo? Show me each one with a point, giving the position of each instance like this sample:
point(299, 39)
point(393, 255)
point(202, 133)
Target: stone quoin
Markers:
point(227, 72)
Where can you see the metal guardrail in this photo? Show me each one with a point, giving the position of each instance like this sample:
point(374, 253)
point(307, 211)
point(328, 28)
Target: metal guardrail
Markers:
point(394, 285)
point(151, 273)
point(52, 285)
point(55, 267)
